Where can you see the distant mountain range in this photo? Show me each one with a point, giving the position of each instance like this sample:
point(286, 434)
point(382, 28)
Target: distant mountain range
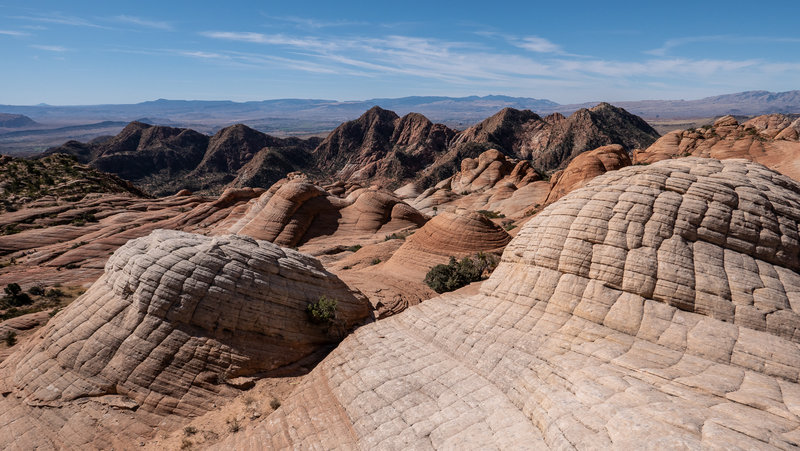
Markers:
point(49, 125)
point(450, 110)
point(749, 103)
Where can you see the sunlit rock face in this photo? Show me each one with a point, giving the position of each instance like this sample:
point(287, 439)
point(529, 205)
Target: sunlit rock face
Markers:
point(177, 322)
point(657, 307)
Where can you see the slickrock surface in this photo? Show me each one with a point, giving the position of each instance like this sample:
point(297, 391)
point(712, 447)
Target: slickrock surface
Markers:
point(178, 322)
point(584, 168)
point(447, 234)
point(772, 140)
point(69, 242)
point(657, 307)
point(295, 211)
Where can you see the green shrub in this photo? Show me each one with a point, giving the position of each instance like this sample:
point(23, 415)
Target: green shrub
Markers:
point(491, 214)
point(274, 403)
point(323, 311)
point(399, 235)
point(15, 297)
point(11, 338)
point(458, 273)
point(376, 260)
point(353, 248)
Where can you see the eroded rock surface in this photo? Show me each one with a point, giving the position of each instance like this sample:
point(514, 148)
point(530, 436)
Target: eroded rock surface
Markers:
point(178, 322)
point(295, 211)
point(447, 235)
point(657, 307)
point(771, 140)
point(585, 167)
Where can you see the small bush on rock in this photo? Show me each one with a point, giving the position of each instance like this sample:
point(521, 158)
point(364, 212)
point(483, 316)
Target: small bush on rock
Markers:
point(458, 273)
point(323, 311)
point(15, 297)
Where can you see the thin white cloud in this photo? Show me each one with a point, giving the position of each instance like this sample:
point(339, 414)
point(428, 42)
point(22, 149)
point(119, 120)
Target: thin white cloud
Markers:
point(309, 23)
point(671, 44)
point(60, 19)
point(158, 25)
point(482, 64)
point(50, 48)
point(539, 45)
point(14, 33)
point(204, 55)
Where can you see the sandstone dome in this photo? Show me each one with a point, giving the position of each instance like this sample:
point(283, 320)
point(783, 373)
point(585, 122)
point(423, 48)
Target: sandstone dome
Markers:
point(177, 322)
point(457, 234)
point(295, 211)
point(656, 307)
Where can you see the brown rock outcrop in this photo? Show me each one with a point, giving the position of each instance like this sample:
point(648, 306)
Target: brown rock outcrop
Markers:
point(491, 181)
point(295, 211)
point(381, 146)
point(552, 142)
point(173, 326)
point(584, 168)
point(657, 307)
point(771, 140)
point(164, 160)
point(491, 169)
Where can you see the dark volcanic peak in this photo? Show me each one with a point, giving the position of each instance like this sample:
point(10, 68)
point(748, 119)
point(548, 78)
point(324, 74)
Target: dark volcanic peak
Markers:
point(382, 145)
point(232, 147)
point(379, 146)
point(555, 140)
point(164, 160)
point(16, 121)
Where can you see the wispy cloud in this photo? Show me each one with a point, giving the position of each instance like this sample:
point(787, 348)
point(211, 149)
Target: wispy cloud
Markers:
point(50, 48)
point(482, 63)
point(539, 45)
point(671, 44)
point(310, 23)
point(60, 19)
point(204, 55)
point(13, 33)
point(155, 24)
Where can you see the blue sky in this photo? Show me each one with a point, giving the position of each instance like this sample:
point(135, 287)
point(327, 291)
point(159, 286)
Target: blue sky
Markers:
point(90, 52)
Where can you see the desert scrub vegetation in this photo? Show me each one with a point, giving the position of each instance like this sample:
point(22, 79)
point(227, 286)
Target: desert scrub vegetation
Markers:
point(491, 214)
point(458, 273)
point(323, 311)
point(399, 235)
point(38, 298)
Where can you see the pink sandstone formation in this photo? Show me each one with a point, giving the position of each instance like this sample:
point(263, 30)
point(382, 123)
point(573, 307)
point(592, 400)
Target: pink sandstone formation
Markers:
point(177, 323)
point(657, 307)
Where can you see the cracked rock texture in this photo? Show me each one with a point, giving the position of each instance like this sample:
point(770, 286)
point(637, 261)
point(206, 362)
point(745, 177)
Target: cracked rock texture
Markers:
point(295, 211)
point(657, 307)
point(772, 140)
point(448, 234)
point(177, 322)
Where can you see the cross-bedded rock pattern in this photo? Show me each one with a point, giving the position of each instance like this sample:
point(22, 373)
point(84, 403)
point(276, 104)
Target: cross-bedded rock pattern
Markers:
point(174, 323)
point(657, 307)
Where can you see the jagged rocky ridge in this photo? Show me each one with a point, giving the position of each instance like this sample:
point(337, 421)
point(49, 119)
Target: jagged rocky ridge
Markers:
point(378, 147)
